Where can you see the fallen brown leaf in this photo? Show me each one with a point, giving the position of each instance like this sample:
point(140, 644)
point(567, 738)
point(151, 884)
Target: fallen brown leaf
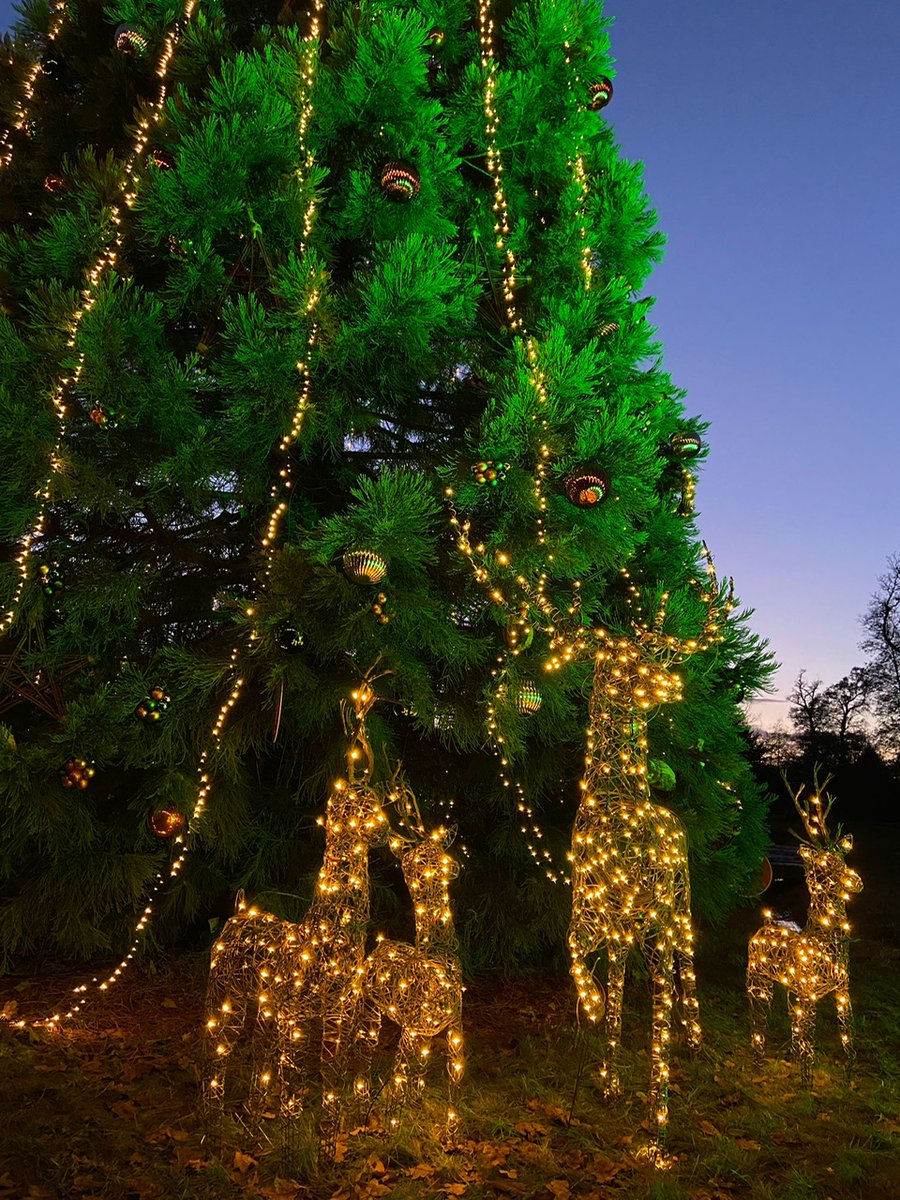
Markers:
point(559, 1189)
point(747, 1144)
point(603, 1169)
point(532, 1130)
point(243, 1162)
point(708, 1127)
point(124, 1108)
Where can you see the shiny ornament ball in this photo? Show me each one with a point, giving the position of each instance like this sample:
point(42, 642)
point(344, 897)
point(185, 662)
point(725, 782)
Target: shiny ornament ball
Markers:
point(490, 473)
point(364, 566)
point(288, 638)
point(660, 775)
point(400, 181)
point(167, 822)
point(528, 698)
point(685, 445)
point(78, 772)
point(600, 93)
point(130, 40)
point(588, 486)
point(764, 879)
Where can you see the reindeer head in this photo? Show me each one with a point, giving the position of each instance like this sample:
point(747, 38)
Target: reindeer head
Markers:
point(355, 812)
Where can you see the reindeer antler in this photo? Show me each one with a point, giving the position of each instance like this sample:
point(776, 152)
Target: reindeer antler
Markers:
point(363, 698)
point(812, 813)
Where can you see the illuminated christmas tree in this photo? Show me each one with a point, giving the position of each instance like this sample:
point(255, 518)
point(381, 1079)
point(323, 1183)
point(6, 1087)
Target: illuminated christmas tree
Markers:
point(325, 345)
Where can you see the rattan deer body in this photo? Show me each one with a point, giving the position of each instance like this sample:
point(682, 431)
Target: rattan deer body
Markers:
point(277, 984)
point(813, 962)
point(417, 987)
point(630, 881)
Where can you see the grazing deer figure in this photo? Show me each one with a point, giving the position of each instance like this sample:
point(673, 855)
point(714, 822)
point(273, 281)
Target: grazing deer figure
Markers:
point(419, 987)
point(812, 962)
point(629, 859)
point(271, 979)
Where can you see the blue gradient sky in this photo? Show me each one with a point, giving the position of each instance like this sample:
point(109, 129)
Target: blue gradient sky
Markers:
point(769, 134)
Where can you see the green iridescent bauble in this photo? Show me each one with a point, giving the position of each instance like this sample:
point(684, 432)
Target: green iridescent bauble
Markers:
point(660, 775)
point(364, 566)
point(528, 698)
point(685, 445)
point(601, 93)
point(400, 182)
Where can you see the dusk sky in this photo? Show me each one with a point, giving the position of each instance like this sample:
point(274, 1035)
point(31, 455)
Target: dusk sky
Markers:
point(769, 132)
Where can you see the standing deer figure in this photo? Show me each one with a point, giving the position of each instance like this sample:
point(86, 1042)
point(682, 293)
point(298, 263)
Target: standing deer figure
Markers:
point(812, 962)
point(270, 979)
point(629, 856)
point(419, 987)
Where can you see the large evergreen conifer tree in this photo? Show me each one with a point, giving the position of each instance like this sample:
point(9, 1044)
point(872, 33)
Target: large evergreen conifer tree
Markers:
point(282, 282)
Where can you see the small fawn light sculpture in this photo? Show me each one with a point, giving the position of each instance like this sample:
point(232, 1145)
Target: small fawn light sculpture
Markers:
point(418, 987)
point(630, 881)
point(271, 980)
point(813, 962)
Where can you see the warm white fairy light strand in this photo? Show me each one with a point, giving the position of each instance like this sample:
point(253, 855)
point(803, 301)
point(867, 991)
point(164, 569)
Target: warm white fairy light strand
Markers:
point(100, 985)
point(22, 113)
point(89, 296)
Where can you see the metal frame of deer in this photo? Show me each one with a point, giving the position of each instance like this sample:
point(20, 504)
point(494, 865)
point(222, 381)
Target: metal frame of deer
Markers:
point(272, 980)
point(630, 881)
point(814, 962)
point(417, 987)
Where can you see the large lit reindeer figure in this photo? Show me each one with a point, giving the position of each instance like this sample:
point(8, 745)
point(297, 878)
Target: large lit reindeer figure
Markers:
point(813, 962)
point(630, 880)
point(277, 983)
point(417, 987)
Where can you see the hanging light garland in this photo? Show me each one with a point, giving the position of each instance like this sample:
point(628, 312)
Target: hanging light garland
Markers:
point(22, 113)
point(89, 295)
point(185, 841)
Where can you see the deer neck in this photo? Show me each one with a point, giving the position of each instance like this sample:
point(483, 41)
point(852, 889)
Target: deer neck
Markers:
point(616, 761)
point(435, 932)
point(827, 916)
point(342, 889)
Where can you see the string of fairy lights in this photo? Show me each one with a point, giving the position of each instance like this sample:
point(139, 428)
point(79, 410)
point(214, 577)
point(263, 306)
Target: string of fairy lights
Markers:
point(476, 556)
point(267, 541)
point(90, 293)
point(22, 111)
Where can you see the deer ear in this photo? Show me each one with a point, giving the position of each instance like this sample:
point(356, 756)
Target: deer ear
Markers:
point(806, 852)
point(847, 843)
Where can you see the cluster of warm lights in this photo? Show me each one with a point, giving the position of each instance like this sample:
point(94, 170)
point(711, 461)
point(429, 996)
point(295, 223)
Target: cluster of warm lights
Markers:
point(22, 113)
point(90, 292)
point(630, 880)
point(277, 981)
point(416, 987)
point(813, 962)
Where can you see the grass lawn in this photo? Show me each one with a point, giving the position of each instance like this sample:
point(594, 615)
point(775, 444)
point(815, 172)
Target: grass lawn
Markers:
point(110, 1108)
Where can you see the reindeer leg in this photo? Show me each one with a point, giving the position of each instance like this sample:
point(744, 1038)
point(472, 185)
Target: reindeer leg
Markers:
point(690, 1007)
point(455, 1068)
point(803, 1025)
point(612, 1085)
point(759, 991)
point(845, 1021)
point(407, 1067)
point(663, 980)
point(367, 1041)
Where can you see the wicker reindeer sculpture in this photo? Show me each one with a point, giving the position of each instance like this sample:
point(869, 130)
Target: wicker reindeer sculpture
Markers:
point(277, 985)
point(813, 962)
point(417, 987)
point(630, 880)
